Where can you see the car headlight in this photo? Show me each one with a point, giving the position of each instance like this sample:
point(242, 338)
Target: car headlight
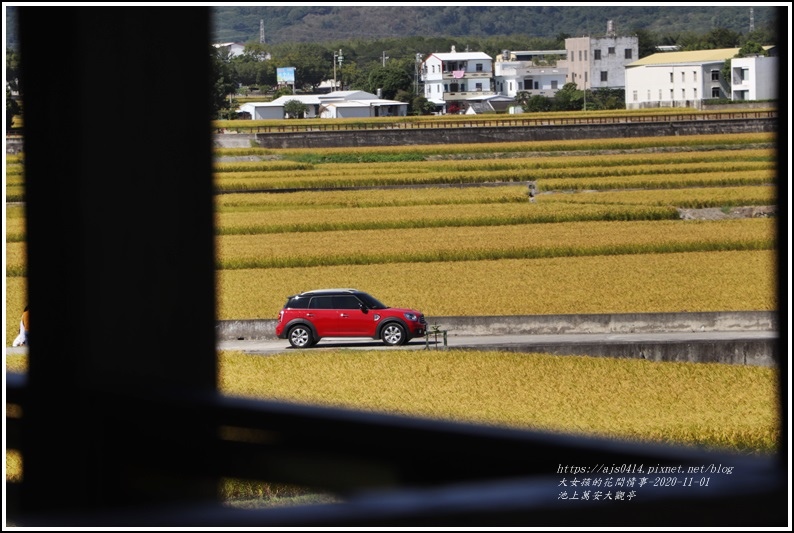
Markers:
point(410, 316)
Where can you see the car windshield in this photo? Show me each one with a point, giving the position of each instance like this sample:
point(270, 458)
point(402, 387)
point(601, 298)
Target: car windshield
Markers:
point(371, 302)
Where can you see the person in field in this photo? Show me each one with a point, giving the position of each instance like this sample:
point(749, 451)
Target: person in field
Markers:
point(24, 328)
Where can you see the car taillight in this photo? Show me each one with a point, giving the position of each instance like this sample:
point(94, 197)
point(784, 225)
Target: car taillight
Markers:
point(280, 315)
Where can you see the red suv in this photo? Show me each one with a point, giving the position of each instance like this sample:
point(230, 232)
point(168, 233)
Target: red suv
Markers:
point(310, 316)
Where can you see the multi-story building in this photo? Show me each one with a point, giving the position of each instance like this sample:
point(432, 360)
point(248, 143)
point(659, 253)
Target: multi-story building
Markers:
point(677, 79)
point(450, 79)
point(599, 62)
point(754, 78)
point(533, 71)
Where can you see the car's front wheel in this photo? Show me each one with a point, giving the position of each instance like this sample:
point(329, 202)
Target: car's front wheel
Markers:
point(300, 337)
point(393, 334)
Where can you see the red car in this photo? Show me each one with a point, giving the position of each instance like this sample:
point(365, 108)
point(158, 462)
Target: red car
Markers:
point(310, 316)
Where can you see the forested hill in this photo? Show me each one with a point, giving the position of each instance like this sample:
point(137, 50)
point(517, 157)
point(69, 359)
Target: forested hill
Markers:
point(342, 23)
point(325, 24)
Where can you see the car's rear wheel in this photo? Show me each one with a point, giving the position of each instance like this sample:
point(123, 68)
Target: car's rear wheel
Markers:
point(393, 334)
point(300, 337)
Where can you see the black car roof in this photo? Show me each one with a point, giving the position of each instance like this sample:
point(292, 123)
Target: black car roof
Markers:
point(329, 291)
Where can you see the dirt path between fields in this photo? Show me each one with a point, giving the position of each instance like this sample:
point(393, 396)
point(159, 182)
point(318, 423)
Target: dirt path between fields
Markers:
point(717, 213)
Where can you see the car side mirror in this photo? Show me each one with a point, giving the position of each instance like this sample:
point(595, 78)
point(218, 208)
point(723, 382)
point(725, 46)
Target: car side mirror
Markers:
point(363, 307)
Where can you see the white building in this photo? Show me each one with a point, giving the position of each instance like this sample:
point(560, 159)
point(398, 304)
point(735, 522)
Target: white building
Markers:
point(754, 78)
point(677, 79)
point(233, 49)
point(338, 104)
point(599, 62)
point(457, 76)
point(533, 71)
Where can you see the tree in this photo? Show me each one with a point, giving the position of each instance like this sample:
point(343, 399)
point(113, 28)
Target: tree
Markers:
point(752, 48)
point(12, 108)
point(222, 83)
point(604, 98)
point(248, 70)
point(422, 106)
point(12, 86)
point(646, 43)
point(311, 62)
point(295, 109)
point(389, 80)
point(569, 98)
point(537, 104)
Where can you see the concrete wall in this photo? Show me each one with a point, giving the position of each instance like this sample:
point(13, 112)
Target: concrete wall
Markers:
point(554, 324)
point(415, 136)
point(751, 352)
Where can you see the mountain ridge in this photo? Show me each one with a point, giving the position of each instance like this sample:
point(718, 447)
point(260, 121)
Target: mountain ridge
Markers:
point(336, 23)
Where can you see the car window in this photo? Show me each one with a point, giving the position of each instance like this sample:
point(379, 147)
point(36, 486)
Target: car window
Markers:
point(370, 301)
point(346, 302)
point(297, 302)
point(321, 302)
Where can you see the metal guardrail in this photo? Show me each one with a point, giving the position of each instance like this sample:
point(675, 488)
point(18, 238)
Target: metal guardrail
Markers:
point(500, 122)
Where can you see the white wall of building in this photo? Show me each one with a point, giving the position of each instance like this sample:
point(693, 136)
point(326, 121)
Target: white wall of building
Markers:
point(599, 63)
point(456, 76)
point(672, 85)
point(754, 78)
point(512, 77)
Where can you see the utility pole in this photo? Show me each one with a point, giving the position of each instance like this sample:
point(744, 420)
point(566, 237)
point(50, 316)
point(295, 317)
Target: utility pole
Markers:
point(384, 57)
point(337, 57)
point(261, 31)
point(418, 69)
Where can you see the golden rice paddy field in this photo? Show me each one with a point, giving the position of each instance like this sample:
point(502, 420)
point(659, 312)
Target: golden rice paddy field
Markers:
point(712, 405)
point(603, 235)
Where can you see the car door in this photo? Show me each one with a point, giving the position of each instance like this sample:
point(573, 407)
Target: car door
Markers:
point(323, 316)
point(351, 319)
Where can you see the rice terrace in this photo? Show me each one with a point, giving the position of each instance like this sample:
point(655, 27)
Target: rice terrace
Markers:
point(623, 225)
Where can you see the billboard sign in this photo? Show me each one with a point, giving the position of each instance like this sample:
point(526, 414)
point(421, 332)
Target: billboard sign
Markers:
point(285, 75)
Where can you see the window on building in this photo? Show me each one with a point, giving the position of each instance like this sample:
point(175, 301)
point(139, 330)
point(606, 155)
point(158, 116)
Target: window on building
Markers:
point(695, 76)
point(649, 95)
point(604, 75)
point(715, 92)
point(611, 50)
point(585, 55)
point(478, 87)
point(634, 95)
point(683, 77)
point(660, 95)
point(585, 78)
point(745, 74)
point(672, 96)
point(695, 91)
point(627, 53)
point(580, 55)
point(572, 56)
point(478, 67)
point(683, 94)
point(596, 54)
point(553, 84)
point(715, 75)
point(671, 77)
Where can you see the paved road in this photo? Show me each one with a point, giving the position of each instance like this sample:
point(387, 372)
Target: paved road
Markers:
point(500, 341)
point(739, 347)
